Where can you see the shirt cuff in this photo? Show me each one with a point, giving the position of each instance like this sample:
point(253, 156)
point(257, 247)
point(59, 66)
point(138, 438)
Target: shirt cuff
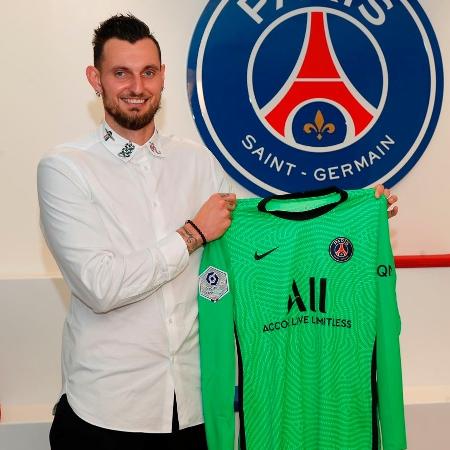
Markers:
point(175, 254)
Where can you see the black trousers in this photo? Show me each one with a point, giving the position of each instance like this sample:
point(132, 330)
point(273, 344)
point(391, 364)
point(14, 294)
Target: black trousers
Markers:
point(69, 432)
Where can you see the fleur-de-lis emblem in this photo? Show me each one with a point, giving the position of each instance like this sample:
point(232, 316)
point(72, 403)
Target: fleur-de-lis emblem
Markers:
point(319, 126)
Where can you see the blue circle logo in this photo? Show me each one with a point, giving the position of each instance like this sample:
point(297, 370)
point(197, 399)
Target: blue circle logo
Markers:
point(341, 249)
point(294, 96)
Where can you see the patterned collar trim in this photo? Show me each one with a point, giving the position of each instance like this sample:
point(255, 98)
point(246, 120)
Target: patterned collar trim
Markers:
point(125, 149)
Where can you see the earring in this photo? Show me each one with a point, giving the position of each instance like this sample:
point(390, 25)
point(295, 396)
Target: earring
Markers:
point(98, 93)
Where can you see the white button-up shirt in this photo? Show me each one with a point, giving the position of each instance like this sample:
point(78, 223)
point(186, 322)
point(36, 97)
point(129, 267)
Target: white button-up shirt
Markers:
point(109, 211)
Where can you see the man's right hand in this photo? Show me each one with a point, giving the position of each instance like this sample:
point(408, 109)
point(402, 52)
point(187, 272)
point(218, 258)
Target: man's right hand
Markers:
point(214, 217)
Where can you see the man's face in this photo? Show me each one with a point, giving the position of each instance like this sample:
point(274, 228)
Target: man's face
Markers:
point(132, 79)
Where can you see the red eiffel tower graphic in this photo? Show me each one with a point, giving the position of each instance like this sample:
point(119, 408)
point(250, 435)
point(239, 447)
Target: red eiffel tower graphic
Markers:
point(341, 251)
point(318, 78)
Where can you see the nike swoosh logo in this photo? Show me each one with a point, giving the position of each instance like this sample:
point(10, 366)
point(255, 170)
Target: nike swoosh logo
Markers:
point(262, 255)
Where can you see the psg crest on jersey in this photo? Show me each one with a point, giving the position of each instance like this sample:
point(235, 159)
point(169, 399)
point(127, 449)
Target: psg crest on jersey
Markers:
point(341, 249)
point(298, 95)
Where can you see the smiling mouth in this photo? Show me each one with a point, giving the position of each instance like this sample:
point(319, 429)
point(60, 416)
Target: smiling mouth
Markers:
point(134, 101)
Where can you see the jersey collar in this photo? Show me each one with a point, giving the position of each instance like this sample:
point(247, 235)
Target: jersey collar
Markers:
point(320, 195)
point(124, 149)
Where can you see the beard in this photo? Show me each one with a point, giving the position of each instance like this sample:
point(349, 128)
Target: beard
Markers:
point(130, 120)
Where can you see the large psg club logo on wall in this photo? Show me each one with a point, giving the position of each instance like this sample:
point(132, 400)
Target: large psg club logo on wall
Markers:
point(293, 95)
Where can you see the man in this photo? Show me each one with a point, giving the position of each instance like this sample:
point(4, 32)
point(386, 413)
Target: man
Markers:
point(124, 212)
point(113, 210)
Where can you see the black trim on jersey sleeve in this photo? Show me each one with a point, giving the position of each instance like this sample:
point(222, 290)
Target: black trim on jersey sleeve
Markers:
point(304, 215)
point(375, 435)
point(242, 442)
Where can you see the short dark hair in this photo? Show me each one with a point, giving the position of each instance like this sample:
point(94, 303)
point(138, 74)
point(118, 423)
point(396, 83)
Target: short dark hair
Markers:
point(125, 27)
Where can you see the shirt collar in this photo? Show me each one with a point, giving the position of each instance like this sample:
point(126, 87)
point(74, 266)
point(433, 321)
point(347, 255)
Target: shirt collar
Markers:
point(124, 149)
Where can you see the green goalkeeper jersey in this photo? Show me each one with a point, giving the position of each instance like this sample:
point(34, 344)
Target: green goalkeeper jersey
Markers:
point(303, 285)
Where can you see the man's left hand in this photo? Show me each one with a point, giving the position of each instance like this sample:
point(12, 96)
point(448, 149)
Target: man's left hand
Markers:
point(391, 199)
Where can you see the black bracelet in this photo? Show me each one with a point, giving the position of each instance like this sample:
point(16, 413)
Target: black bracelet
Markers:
point(198, 231)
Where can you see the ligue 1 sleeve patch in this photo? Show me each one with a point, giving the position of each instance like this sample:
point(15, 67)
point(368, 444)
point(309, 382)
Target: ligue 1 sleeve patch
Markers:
point(341, 249)
point(213, 284)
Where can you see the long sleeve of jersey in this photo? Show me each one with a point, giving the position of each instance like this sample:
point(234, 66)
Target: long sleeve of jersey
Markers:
point(388, 361)
point(218, 347)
